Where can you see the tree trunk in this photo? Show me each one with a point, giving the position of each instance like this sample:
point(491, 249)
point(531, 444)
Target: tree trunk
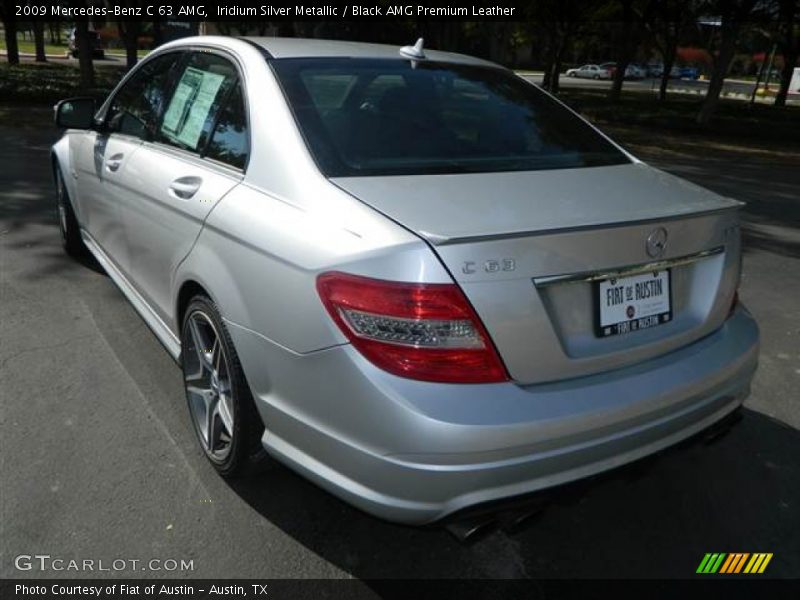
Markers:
point(556, 68)
point(667, 60)
point(12, 49)
point(548, 71)
point(497, 41)
point(158, 34)
point(131, 53)
point(548, 66)
point(38, 36)
point(84, 53)
point(721, 64)
point(619, 79)
point(790, 48)
point(129, 34)
point(789, 45)
point(626, 49)
point(789, 62)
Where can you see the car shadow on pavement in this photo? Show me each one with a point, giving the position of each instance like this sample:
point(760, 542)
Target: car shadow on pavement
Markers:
point(655, 518)
point(52, 260)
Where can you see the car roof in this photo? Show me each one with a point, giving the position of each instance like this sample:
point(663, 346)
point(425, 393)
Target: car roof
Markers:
point(280, 48)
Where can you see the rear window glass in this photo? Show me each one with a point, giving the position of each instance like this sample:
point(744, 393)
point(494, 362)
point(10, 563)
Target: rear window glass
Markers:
point(388, 117)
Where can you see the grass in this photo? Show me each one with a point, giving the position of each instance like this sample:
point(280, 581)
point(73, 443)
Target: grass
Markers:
point(734, 119)
point(27, 46)
point(46, 83)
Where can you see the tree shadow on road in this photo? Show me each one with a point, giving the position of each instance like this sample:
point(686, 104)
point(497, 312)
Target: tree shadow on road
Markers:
point(656, 518)
point(770, 239)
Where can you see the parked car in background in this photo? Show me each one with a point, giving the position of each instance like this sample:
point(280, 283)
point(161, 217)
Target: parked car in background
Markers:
point(794, 84)
point(689, 72)
point(412, 276)
point(611, 67)
point(632, 71)
point(589, 72)
point(657, 69)
point(94, 41)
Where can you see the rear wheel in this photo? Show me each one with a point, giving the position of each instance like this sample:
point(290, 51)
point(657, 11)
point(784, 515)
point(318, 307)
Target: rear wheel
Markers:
point(221, 405)
point(67, 223)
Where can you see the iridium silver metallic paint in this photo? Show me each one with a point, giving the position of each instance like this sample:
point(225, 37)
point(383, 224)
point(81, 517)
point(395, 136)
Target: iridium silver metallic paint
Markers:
point(407, 450)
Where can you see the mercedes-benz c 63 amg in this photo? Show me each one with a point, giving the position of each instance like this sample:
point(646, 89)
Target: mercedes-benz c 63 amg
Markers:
point(412, 276)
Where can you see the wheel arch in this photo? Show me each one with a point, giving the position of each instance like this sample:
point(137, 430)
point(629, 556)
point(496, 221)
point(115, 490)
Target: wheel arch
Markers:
point(188, 290)
point(60, 158)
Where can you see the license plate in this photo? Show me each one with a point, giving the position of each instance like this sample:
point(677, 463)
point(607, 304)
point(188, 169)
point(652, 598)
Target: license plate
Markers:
point(632, 303)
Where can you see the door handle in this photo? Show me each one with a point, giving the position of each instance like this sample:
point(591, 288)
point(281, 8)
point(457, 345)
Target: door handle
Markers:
point(185, 187)
point(114, 162)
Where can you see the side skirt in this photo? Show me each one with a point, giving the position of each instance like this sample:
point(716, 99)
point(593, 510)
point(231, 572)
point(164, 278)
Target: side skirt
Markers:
point(168, 339)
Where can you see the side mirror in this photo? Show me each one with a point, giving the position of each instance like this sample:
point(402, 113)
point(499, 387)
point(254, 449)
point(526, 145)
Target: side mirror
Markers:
point(75, 113)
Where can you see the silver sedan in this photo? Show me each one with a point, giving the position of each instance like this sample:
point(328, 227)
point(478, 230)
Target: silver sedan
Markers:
point(410, 275)
point(589, 72)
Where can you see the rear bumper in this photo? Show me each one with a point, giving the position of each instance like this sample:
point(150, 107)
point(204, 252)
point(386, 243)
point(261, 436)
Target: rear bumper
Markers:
point(415, 452)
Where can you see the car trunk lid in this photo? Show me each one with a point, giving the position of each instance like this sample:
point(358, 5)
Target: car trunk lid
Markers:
point(530, 250)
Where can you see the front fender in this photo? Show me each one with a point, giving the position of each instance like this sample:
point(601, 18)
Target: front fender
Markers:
point(61, 157)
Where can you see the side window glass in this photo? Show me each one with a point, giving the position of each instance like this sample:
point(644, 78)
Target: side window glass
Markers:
point(200, 90)
point(135, 108)
point(228, 142)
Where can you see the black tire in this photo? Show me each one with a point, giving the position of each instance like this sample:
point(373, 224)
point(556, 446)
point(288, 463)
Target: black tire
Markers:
point(596, 77)
point(67, 223)
point(244, 447)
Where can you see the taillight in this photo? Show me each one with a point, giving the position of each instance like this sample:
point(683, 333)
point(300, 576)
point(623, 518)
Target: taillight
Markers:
point(421, 331)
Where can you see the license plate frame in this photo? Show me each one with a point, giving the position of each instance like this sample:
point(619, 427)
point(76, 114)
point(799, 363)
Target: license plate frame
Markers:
point(654, 316)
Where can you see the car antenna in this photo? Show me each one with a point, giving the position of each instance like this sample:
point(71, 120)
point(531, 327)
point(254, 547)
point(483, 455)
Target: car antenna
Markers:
point(415, 52)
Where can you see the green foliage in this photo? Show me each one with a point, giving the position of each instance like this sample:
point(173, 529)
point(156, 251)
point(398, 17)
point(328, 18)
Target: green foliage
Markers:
point(48, 83)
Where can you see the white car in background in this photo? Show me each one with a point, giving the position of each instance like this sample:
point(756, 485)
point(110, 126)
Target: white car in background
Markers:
point(589, 72)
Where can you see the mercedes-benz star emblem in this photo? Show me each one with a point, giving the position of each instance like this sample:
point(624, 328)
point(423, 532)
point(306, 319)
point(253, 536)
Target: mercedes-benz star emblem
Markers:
point(656, 243)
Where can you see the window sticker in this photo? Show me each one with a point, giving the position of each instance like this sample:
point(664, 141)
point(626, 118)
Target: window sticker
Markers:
point(190, 106)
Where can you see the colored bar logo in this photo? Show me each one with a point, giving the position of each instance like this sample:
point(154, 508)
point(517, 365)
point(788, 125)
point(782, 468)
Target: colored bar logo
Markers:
point(735, 562)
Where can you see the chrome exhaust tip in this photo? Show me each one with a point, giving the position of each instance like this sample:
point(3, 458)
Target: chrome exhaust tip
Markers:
point(471, 529)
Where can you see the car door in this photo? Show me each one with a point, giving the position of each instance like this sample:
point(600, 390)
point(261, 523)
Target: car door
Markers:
point(197, 155)
point(102, 163)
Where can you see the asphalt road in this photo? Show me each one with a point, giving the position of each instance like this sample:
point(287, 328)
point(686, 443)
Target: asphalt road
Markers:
point(98, 461)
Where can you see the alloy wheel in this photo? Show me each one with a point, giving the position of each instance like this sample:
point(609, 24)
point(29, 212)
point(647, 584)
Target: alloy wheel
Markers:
point(208, 386)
